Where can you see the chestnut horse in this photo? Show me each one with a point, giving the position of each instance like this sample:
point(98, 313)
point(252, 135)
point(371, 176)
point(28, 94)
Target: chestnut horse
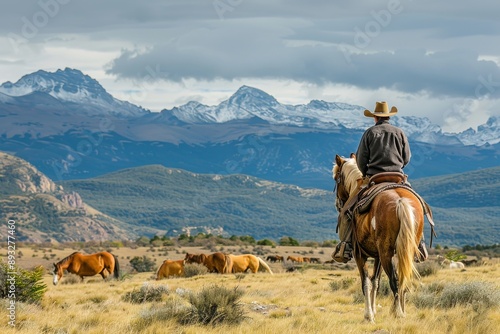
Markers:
point(298, 259)
point(392, 226)
point(102, 263)
point(215, 263)
point(241, 263)
point(170, 268)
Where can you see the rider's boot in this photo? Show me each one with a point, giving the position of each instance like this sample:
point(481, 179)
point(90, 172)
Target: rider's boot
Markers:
point(343, 252)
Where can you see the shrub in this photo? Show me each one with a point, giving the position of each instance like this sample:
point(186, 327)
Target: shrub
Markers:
point(455, 255)
point(343, 284)
point(142, 264)
point(195, 269)
point(215, 305)
point(147, 293)
point(479, 295)
point(29, 286)
point(71, 279)
point(172, 309)
point(427, 268)
point(288, 241)
point(265, 242)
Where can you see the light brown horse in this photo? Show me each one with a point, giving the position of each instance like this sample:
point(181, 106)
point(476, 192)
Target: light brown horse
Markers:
point(391, 227)
point(215, 262)
point(170, 268)
point(295, 259)
point(102, 263)
point(244, 262)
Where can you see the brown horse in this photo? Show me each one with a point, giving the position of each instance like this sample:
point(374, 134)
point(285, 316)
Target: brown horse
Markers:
point(102, 263)
point(393, 225)
point(215, 262)
point(244, 262)
point(295, 259)
point(170, 268)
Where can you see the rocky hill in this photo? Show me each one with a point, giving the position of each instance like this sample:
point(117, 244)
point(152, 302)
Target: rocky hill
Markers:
point(44, 211)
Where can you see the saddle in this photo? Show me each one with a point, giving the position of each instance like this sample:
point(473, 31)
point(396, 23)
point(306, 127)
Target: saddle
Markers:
point(361, 202)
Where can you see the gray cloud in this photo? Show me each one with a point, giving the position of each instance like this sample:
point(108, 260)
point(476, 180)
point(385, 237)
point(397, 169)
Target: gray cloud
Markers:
point(410, 46)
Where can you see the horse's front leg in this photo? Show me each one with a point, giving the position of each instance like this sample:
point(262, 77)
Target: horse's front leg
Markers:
point(377, 271)
point(366, 287)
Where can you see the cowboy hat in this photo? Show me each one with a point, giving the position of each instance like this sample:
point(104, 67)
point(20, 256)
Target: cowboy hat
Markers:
point(381, 110)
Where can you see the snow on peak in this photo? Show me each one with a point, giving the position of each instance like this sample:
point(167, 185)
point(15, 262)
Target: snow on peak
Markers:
point(70, 85)
point(488, 133)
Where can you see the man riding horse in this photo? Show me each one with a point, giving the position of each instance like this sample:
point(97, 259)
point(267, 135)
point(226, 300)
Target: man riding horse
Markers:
point(383, 148)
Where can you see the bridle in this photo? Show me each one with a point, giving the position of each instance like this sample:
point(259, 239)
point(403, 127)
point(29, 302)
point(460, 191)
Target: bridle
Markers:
point(339, 179)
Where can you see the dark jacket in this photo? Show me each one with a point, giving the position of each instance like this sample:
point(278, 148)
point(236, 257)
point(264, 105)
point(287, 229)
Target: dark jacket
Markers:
point(383, 148)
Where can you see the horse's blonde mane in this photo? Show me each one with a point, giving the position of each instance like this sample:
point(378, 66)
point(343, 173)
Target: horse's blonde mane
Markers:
point(351, 175)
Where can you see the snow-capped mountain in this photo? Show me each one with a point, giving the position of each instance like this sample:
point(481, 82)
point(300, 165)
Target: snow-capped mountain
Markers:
point(486, 133)
point(249, 102)
point(71, 86)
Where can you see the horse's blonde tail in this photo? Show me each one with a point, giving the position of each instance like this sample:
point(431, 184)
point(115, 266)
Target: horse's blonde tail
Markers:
point(264, 264)
point(406, 243)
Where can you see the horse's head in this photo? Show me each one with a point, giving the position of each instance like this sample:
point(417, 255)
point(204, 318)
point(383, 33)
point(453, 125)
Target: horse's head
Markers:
point(57, 272)
point(347, 179)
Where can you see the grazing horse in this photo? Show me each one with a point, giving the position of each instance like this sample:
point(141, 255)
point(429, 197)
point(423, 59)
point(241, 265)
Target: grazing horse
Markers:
point(215, 262)
point(274, 258)
point(393, 225)
point(241, 263)
point(456, 265)
point(102, 263)
point(170, 268)
point(297, 259)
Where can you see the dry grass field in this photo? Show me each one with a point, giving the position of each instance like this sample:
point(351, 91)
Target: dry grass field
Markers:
point(312, 299)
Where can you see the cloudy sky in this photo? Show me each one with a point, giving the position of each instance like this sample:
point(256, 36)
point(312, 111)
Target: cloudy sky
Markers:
point(439, 59)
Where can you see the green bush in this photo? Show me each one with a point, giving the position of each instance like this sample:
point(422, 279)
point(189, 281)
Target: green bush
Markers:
point(265, 242)
point(215, 305)
point(143, 264)
point(147, 293)
point(29, 286)
point(288, 241)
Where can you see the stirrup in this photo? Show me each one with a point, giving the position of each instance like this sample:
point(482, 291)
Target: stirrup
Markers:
point(342, 253)
point(422, 252)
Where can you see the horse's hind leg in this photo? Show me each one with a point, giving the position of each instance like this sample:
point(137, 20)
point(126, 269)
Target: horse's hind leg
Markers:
point(390, 270)
point(104, 273)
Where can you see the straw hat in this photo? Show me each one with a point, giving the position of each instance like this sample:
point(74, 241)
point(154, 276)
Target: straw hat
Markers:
point(381, 110)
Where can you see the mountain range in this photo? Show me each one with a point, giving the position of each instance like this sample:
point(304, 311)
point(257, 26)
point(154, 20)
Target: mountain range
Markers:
point(69, 127)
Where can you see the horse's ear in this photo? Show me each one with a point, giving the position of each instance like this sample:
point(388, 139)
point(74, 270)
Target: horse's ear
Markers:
point(338, 160)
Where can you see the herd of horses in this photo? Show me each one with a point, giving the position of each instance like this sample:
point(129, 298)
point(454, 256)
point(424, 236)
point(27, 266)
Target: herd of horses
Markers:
point(105, 264)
